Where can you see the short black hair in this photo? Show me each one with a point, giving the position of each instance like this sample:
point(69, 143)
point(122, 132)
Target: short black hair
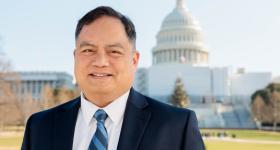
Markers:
point(101, 11)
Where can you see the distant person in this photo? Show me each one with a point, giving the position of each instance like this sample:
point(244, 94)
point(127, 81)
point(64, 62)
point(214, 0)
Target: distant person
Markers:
point(110, 114)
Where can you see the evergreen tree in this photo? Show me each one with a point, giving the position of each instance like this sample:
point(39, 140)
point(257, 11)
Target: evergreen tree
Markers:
point(179, 98)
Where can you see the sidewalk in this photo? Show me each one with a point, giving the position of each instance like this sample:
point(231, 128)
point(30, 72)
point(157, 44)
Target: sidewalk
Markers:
point(9, 148)
point(242, 140)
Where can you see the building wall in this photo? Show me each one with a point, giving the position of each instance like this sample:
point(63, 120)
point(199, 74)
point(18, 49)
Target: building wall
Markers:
point(247, 83)
point(220, 82)
point(161, 79)
point(33, 83)
point(158, 81)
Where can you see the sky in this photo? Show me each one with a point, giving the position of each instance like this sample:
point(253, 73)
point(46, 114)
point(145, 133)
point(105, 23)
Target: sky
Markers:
point(38, 35)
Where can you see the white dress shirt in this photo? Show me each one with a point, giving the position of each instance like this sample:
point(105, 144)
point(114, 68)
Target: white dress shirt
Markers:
point(86, 123)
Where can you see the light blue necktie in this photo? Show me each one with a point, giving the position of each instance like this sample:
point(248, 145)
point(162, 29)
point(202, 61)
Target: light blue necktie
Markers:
point(100, 139)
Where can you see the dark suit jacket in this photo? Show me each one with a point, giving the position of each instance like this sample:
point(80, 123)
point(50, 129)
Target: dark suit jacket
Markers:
point(147, 125)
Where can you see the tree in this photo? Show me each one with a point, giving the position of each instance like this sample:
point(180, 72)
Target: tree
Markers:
point(14, 110)
point(55, 96)
point(265, 105)
point(275, 102)
point(179, 98)
point(9, 108)
point(47, 98)
point(65, 94)
point(27, 107)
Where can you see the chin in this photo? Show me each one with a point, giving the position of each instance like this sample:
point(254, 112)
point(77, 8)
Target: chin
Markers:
point(100, 90)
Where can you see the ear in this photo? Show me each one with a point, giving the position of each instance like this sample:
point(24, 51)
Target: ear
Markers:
point(135, 59)
point(74, 52)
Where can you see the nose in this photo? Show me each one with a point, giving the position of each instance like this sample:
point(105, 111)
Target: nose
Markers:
point(100, 60)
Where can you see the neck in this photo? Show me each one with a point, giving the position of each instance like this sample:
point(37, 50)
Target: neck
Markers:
point(101, 100)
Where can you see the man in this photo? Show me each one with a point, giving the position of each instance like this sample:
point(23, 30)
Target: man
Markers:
point(110, 114)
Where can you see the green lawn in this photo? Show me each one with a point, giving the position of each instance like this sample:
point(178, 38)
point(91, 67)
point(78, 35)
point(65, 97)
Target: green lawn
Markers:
point(221, 145)
point(248, 134)
point(243, 134)
point(10, 141)
point(14, 140)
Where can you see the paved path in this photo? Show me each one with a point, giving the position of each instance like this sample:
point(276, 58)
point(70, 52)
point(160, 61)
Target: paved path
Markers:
point(9, 148)
point(243, 140)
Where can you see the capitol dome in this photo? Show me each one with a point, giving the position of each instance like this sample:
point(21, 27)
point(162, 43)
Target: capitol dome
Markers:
point(180, 39)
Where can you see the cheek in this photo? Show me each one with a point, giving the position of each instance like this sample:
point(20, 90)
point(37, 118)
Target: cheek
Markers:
point(128, 70)
point(122, 67)
point(81, 62)
point(80, 67)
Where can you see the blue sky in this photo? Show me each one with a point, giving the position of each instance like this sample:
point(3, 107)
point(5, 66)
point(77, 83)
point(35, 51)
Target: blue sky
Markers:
point(38, 35)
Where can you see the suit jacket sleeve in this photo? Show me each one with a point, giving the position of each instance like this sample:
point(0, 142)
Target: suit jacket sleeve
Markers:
point(26, 139)
point(192, 139)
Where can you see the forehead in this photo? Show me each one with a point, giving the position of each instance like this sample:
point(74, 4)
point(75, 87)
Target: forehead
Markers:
point(104, 26)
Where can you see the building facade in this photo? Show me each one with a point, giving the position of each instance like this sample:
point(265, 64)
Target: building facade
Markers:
point(181, 52)
point(33, 83)
point(180, 39)
point(219, 96)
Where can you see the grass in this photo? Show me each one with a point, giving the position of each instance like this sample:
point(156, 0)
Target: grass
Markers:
point(222, 145)
point(12, 140)
point(248, 134)
point(243, 134)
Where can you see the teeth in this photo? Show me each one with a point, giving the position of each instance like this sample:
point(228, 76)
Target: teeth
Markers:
point(100, 75)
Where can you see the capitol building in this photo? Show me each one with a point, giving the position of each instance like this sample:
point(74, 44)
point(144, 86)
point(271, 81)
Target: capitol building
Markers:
point(180, 51)
point(180, 39)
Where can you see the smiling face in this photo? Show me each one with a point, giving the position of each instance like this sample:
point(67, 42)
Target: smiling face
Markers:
point(105, 60)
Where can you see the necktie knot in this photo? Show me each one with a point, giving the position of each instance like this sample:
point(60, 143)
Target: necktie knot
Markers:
point(100, 115)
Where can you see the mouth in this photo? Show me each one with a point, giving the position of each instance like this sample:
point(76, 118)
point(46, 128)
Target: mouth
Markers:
point(100, 75)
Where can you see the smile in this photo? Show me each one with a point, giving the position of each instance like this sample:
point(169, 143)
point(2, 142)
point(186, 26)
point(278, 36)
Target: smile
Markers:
point(100, 75)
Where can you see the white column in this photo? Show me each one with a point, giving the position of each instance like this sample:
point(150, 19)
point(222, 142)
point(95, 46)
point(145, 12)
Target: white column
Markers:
point(176, 55)
point(159, 57)
point(163, 56)
point(41, 86)
point(36, 91)
point(166, 56)
point(195, 56)
point(187, 56)
point(154, 57)
point(199, 58)
point(191, 54)
point(169, 56)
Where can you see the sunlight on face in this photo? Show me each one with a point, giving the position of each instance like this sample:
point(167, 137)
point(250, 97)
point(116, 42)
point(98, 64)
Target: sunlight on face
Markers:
point(104, 61)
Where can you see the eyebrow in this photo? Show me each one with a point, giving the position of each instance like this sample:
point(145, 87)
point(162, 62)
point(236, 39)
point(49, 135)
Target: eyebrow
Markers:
point(85, 43)
point(115, 45)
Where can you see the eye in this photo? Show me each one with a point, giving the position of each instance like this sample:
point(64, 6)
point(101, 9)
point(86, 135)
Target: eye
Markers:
point(115, 52)
point(87, 52)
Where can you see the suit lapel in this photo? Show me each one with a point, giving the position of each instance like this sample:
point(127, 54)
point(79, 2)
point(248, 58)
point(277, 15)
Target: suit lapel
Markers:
point(135, 121)
point(64, 126)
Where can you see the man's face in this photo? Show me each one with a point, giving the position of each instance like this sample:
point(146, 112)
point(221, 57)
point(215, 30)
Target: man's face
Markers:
point(105, 60)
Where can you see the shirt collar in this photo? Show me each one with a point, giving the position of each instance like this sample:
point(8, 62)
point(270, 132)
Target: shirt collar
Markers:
point(115, 110)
